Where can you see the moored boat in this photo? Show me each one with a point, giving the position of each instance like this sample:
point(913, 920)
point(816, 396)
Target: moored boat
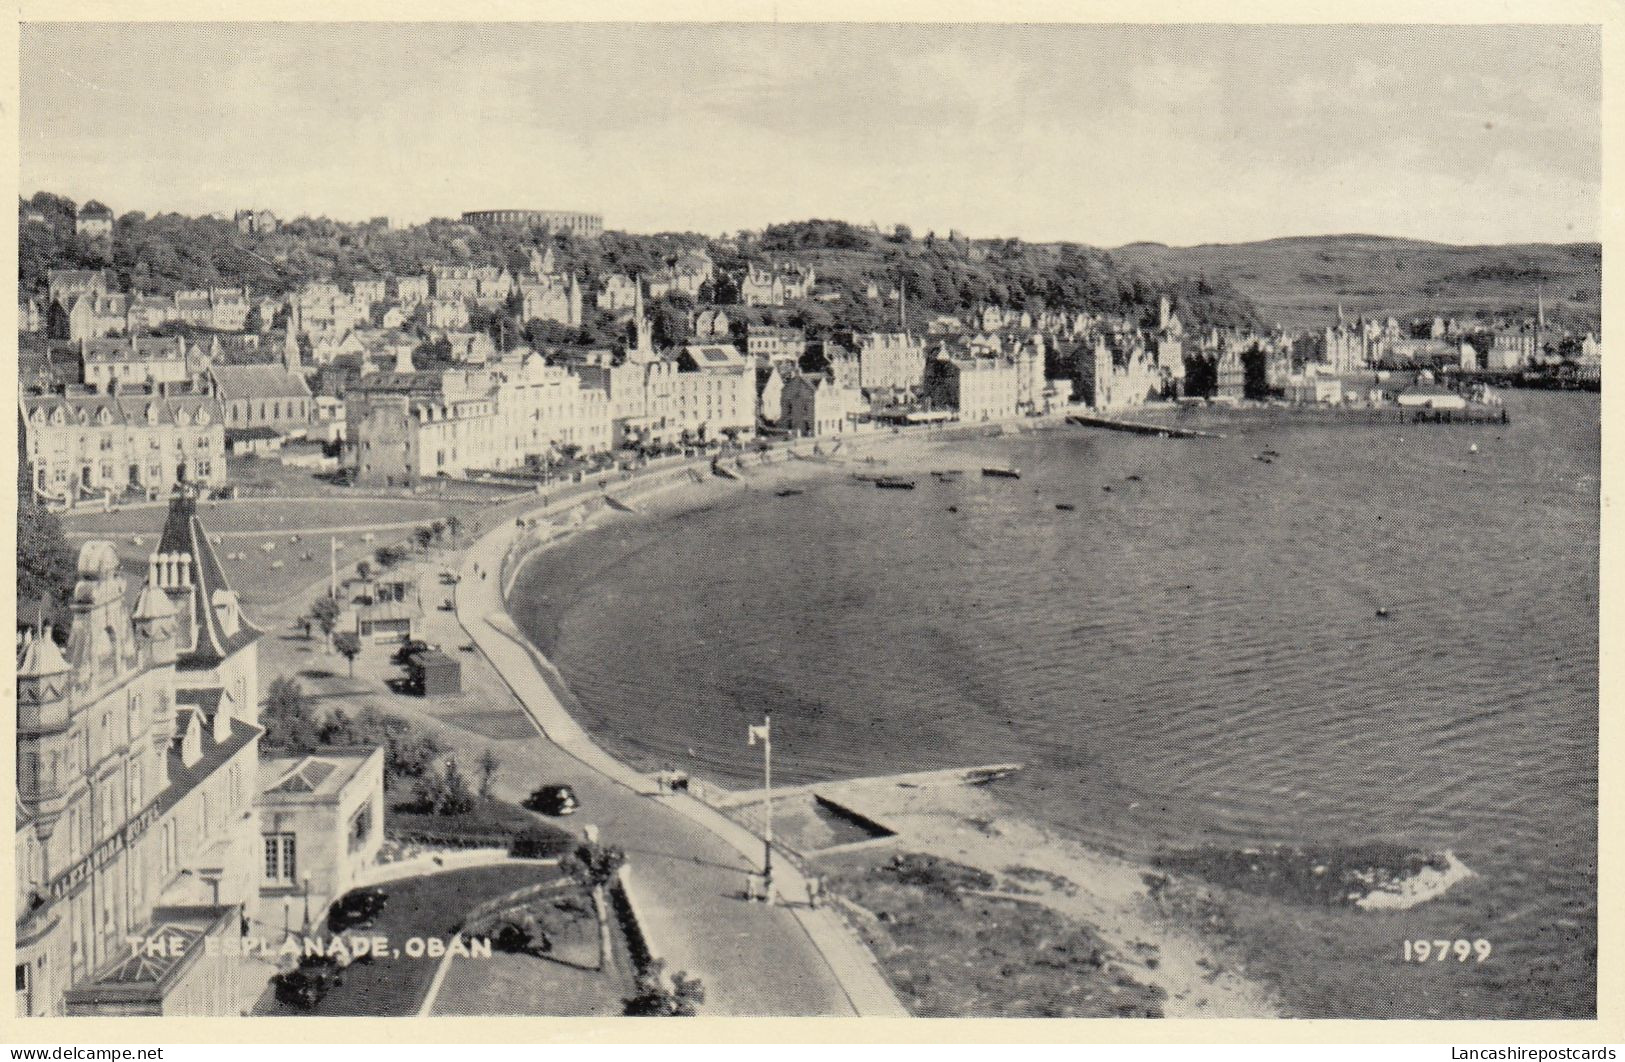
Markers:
point(1003, 473)
point(893, 483)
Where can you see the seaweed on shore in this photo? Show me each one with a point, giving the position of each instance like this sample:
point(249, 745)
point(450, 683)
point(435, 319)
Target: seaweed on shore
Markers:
point(953, 948)
point(1322, 876)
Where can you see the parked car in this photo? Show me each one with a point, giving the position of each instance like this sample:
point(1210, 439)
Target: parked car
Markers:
point(410, 648)
point(305, 985)
point(553, 800)
point(357, 908)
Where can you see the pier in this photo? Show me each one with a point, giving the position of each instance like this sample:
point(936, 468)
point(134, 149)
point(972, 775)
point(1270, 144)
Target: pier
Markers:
point(1139, 428)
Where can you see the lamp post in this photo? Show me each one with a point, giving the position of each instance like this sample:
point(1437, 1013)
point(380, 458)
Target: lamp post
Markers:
point(307, 903)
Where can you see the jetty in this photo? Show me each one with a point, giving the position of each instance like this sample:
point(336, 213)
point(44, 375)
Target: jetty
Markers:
point(618, 505)
point(1139, 428)
point(723, 471)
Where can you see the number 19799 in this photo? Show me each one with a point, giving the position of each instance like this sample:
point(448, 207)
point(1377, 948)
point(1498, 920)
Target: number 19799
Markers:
point(1441, 950)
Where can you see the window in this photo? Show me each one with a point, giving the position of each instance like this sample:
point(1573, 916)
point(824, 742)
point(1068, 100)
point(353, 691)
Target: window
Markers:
point(280, 862)
point(361, 826)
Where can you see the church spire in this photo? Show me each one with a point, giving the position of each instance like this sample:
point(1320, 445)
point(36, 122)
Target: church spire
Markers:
point(290, 343)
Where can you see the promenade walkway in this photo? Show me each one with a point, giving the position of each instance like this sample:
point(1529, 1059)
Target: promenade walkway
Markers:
point(754, 959)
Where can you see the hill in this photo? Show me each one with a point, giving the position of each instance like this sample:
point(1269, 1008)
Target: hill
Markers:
point(1299, 281)
point(169, 252)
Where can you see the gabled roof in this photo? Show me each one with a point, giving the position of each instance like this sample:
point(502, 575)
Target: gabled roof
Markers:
point(257, 381)
point(714, 356)
point(183, 533)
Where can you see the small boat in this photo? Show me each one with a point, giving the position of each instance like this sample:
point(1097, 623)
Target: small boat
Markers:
point(1382, 613)
point(1133, 477)
point(892, 483)
point(1107, 487)
point(1002, 473)
point(953, 508)
point(1065, 507)
point(1270, 453)
point(787, 492)
point(1473, 449)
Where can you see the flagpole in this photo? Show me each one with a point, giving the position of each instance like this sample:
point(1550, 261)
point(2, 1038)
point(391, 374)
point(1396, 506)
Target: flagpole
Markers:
point(767, 837)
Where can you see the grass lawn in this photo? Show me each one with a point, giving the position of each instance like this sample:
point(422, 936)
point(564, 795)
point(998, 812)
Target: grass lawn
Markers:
point(950, 950)
point(251, 515)
point(528, 984)
point(428, 906)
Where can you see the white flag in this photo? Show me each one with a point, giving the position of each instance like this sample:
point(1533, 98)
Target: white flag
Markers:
point(759, 732)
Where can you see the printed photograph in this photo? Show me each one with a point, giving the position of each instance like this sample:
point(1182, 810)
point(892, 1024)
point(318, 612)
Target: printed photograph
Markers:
point(808, 519)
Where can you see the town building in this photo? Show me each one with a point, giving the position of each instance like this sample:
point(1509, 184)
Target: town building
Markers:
point(551, 297)
point(978, 388)
point(1113, 374)
point(888, 360)
point(409, 291)
point(587, 226)
point(91, 317)
point(1591, 351)
point(618, 292)
point(136, 361)
point(455, 282)
point(94, 221)
point(831, 357)
point(447, 313)
point(30, 318)
point(1511, 348)
point(88, 446)
point(676, 280)
point(403, 428)
point(66, 285)
point(769, 392)
point(812, 405)
point(321, 819)
point(716, 391)
point(775, 343)
point(262, 397)
point(137, 777)
point(776, 286)
point(255, 222)
point(711, 324)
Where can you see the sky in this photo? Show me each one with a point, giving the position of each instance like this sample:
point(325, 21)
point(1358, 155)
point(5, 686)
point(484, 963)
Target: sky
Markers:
point(1100, 134)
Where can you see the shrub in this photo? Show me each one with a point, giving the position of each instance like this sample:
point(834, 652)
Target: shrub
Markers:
point(541, 841)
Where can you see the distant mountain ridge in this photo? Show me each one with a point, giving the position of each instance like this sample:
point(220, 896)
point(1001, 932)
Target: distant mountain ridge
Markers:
point(1298, 281)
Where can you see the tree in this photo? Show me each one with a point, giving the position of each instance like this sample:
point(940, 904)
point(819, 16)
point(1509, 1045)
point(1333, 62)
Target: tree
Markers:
point(669, 319)
point(445, 793)
point(657, 999)
point(325, 612)
point(453, 525)
point(46, 566)
point(489, 762)
point(423, 536)
point(363, 570)
point(287, 717)
point(596, 865)
point(348, 643)
point(439, 529)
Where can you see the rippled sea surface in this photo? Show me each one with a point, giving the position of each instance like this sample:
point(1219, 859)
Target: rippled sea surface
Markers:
point(1190, 657)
